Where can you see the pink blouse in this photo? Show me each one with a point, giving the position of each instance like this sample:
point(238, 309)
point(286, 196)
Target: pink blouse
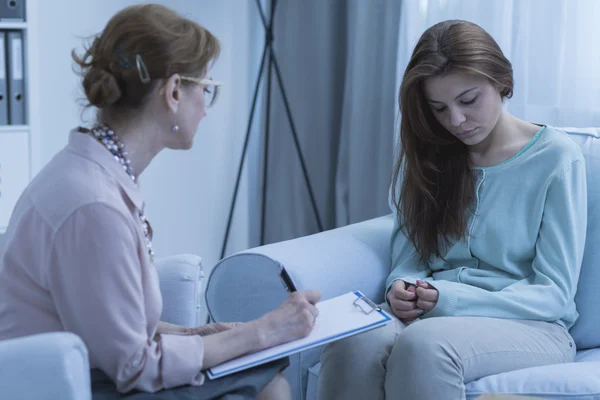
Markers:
point(76, 260)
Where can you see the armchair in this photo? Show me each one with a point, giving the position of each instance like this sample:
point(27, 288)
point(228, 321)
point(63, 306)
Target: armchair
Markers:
point(55, 365)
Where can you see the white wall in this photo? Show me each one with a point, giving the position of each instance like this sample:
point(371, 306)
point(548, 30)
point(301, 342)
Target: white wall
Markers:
point(187, 193)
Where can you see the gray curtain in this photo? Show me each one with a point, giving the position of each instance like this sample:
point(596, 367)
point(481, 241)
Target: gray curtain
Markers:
point(338, 63)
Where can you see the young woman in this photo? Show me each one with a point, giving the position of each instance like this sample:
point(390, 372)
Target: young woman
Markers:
point(78, 253)
point(489, 236)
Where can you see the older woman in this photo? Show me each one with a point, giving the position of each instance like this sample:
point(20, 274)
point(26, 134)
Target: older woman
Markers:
point(78, 251)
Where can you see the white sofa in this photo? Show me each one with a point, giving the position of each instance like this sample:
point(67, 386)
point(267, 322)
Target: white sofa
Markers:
point(247, 285)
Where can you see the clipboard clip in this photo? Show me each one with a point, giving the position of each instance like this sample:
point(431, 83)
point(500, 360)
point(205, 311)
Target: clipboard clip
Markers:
point(365, 305)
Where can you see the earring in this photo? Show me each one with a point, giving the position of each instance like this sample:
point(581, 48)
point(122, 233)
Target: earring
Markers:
point(175, 128)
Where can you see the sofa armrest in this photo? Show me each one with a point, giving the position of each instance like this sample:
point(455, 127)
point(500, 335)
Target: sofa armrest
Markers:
point(45, 366)
point(181, 279)
point(246, 285)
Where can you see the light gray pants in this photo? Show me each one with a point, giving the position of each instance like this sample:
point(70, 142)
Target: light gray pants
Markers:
point(434, 358)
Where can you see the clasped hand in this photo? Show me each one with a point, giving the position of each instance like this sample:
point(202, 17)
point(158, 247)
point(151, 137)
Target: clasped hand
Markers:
point(409, 302)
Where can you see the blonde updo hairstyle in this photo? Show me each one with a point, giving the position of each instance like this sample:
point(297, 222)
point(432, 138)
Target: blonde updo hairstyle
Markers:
point(141, 45)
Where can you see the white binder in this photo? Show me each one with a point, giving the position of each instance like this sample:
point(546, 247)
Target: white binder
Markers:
point(3, 81)
point(16, 83)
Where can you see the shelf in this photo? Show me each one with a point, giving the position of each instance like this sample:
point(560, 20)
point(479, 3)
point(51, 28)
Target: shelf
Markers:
point(13, 25)
point(13, 128)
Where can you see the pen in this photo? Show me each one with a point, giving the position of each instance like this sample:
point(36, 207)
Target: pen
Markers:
point(287, 281)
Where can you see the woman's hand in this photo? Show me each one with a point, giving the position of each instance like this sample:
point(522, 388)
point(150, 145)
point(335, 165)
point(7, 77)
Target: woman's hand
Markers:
point(403, 301)
point(294, 319)
point(427, 296)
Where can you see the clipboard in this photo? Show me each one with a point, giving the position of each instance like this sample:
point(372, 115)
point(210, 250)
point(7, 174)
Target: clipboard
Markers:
point(340, 317)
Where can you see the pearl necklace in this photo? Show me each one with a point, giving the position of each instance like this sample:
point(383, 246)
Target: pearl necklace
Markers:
point(111, 141)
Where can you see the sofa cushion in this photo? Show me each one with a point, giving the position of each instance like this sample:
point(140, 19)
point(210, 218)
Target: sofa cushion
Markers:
point(578, 380)
point(586, 331)
point(588, 355)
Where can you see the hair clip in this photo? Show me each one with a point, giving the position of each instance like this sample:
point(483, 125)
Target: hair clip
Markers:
point(142, 70)
point(122, 57)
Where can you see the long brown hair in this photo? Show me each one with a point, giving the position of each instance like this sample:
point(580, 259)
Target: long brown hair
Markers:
point(433, 166)
point(166, 42)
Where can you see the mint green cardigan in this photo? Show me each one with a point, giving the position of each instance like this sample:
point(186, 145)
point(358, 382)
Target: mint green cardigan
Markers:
point(524, 246)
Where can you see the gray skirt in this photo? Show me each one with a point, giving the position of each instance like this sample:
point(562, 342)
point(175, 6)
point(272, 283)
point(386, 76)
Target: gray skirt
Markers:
point(239, 386)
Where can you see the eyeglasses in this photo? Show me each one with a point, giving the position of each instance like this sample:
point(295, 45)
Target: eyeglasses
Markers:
point(211, 89)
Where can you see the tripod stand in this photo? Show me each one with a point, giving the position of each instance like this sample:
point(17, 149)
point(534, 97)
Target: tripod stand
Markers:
point(272, 64)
